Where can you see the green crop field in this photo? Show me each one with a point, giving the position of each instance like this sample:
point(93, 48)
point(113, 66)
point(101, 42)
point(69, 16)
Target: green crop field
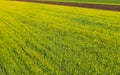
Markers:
point(41, 39)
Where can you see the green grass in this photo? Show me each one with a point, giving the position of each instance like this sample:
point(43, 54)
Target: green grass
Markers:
point(41, 39)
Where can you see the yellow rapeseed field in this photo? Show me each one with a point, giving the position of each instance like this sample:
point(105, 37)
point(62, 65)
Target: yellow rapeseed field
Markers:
point(42, 39)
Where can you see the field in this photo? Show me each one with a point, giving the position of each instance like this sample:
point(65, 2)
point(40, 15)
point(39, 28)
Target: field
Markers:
point(41, 39)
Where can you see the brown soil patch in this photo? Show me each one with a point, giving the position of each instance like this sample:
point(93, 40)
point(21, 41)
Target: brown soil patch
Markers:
point(85, 5)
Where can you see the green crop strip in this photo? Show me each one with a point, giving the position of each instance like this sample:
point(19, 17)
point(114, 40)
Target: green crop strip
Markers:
point(41, 39)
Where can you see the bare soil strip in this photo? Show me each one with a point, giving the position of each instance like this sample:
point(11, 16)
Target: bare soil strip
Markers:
point(85, 5)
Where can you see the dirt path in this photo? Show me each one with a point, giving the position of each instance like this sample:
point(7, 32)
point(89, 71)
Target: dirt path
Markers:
point(85, 5)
